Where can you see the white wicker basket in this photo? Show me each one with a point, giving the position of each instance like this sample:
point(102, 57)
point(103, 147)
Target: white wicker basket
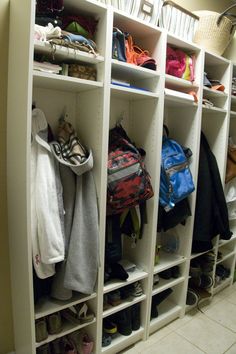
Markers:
point(215, 30)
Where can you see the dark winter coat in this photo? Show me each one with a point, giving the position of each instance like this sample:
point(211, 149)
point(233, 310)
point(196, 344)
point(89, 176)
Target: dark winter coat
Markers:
point(211, 214)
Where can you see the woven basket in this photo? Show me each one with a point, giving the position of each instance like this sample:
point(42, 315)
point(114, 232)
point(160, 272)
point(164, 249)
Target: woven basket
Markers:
point(214, 32)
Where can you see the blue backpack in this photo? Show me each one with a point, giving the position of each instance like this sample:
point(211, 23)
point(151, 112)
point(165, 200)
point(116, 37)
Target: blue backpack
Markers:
point(176, 181)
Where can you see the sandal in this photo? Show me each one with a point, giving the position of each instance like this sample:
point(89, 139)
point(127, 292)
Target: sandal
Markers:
point(84, 314)
point(71, 315)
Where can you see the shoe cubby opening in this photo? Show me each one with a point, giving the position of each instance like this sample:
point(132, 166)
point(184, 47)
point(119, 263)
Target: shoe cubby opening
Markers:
point(168, 278)
point(215, 131)
point(166, 306)
point(224, 273)
point(47, 330)
point(123, 328)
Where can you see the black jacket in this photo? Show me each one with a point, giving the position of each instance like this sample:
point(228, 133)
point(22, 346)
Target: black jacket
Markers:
point(211, 214)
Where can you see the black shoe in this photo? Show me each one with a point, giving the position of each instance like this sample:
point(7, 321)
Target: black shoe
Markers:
point(135, 316)
point(166, 274)
point(175, 272)
point(158, 298)
point(123, 322)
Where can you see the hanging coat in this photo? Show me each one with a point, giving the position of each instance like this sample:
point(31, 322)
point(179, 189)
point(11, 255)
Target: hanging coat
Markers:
point(46, 192)
point(211, 214)
point(81, 222)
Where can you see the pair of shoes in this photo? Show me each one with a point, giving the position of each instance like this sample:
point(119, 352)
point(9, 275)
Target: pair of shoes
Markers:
point(109, 327)
point(58, 346)
point(157, 300)
point(114, 298)
point(131, 290)
point(222, 272)
point(47, 325)
point(78, 314)
point(81, 342)
point(204, 281)
point(128, 320)
point(115, 271)
point(173, 272)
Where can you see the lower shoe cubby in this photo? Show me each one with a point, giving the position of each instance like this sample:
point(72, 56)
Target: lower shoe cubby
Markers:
point(56, 329)
point(124, 297)
point(168, 277)
point(77, 341)
point(223, 273)
point(122, 327)
point(166, 306)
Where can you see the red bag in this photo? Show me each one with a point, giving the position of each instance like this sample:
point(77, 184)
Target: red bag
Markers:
point(128, 181)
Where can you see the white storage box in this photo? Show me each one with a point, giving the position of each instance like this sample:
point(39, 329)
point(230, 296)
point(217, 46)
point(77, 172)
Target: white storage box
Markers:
point(146, 10)
point(178, 21)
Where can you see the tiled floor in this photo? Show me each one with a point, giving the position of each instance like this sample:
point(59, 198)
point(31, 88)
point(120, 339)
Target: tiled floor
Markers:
point(211, 330)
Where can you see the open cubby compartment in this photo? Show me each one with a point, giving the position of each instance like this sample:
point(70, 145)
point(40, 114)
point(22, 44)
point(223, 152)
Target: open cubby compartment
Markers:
point(228, 263)
point(170, 308)
point(119, 341)
point(215, 129)
point(142, 120)
point(62, 54)
point(183, 85)
point(146, 38)
point(68, 328)
point(218, 68)
point(183, 124)
point(226, 248)
point(125, 303)
point(172, 281)
point(96, 11)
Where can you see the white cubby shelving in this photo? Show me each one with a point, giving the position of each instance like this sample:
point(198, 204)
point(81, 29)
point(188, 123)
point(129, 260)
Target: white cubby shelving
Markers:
point(94, 107)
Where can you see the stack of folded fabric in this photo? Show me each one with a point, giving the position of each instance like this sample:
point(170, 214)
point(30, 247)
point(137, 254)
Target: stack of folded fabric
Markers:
point(47, 67)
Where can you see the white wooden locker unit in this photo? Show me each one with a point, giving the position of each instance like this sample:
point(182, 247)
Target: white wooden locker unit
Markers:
point(93, 107)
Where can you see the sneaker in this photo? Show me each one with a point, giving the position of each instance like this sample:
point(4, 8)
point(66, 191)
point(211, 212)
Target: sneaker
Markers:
point(137, 289)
